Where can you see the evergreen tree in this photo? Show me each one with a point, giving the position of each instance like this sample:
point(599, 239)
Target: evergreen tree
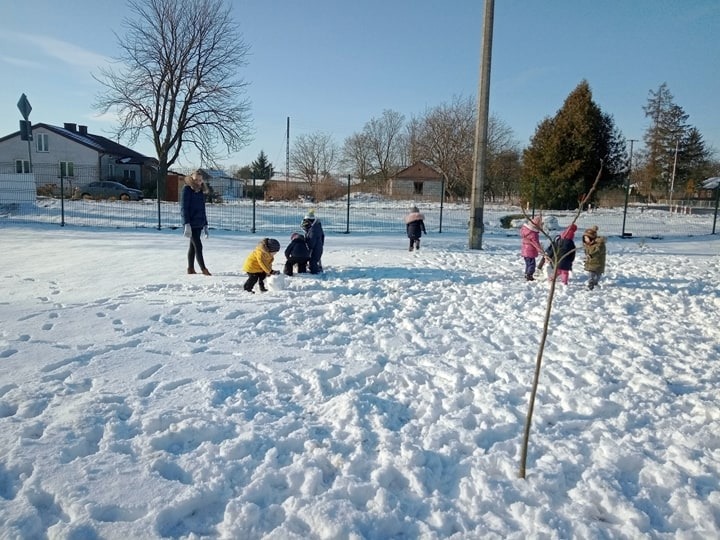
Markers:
point(261, 167)
point(564, 155)
point(244, 173)
point(675, 152)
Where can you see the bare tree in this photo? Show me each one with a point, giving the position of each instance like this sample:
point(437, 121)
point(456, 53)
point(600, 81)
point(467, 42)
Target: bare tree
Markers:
point(554, 260)
point(356, 155)
point(177, 80)
point(444, 137)
point(314, 156)
point(502, 177)
point(384, 138)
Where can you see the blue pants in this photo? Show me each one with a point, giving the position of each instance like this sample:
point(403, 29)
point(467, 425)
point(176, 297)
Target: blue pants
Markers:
point(529, 266)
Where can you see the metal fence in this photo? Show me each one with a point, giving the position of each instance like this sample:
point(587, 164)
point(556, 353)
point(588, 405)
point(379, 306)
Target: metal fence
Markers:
point(355, 214)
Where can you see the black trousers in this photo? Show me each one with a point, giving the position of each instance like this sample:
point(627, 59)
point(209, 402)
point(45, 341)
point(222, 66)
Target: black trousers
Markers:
point(253, 278)
point(292, 261)
point(195, 251)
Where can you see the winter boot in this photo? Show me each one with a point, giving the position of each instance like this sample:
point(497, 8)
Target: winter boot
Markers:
point(206, 272)
point(191, 271)
point(529, 277)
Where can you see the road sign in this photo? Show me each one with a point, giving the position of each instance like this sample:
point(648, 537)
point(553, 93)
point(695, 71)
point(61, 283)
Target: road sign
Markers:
point(24, 106)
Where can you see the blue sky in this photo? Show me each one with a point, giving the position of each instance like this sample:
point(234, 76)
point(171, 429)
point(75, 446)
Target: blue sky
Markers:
point(332, 65)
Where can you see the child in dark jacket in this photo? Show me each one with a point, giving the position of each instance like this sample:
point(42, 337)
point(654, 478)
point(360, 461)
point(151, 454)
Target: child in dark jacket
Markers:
point(315, 239)
point(561, 254)
point(415, 227)
point(296, 253)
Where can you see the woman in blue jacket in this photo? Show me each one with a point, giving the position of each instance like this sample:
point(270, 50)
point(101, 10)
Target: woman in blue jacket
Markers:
point(192, 208)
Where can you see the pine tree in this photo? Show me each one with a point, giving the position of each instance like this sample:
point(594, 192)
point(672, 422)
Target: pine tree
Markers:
point(261, 167)
point(563, 158)
point(675, 152)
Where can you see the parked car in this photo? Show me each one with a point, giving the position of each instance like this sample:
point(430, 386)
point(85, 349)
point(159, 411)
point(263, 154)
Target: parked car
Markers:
point(109, 190)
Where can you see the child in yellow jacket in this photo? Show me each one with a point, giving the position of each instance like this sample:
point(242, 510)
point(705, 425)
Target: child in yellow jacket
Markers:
point(258, 264)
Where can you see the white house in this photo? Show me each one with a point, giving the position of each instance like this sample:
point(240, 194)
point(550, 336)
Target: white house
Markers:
point(74, 154)
point(224, 184)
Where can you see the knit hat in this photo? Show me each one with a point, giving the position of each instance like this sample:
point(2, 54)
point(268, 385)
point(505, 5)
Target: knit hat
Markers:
point(537, 221)
point(591, 232)
point(295, 235)
point(273, 245)
point(569, 233)
point(414, 209)
point(310, 215)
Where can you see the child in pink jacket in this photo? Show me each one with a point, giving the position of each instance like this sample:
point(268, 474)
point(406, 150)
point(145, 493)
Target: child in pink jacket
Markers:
point(530, 245)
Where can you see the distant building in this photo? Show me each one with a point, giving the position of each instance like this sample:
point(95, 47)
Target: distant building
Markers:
point(223, 184)
point(418, 181)
point(76, 155)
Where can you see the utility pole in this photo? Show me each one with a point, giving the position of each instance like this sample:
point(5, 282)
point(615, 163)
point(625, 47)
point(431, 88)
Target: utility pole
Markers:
point(481, 129)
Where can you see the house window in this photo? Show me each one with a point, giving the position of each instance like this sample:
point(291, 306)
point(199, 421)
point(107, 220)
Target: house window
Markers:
point(67, 168)
point(42, 142)
point(22, 166)
point(417, 188)
point(129, 175)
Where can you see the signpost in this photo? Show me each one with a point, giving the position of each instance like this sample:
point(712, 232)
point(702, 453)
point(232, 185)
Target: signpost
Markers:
point(24, 107)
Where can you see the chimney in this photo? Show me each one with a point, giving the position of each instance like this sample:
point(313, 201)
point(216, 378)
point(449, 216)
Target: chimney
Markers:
point(82, 130)
point(70, 127)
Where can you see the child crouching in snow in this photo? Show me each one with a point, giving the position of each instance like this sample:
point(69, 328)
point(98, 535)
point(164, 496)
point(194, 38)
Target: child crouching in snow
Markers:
point(258, 264)
point(296, 253)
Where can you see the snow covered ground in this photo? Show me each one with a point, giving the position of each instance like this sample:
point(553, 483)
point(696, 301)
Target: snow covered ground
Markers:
point(384, 399)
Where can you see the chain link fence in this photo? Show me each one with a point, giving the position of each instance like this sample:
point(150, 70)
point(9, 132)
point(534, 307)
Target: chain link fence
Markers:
point(22, 200)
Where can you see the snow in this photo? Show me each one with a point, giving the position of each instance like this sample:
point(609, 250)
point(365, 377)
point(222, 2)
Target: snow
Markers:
point(383, 399)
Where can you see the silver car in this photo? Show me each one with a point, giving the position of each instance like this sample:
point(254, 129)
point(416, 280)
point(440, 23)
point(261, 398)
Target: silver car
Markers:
point(110, 190)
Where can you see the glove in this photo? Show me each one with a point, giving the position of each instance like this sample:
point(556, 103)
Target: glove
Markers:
point(188, 231)
point(205, 232)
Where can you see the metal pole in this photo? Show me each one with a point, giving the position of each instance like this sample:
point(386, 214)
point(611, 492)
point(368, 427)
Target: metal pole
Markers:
point(62, 199)
point(30, 155)
point(347, 218)
point(672, 180)
point(533, 197)
point(253, 205)
point(157, 194)
point(442, 200)
point(627, 188)
point(481, 129)
point(717, 201)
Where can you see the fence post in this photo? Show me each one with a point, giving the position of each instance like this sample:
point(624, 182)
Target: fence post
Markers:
point(157, 194)
point(534, 193)
point(62, 198)
point(347, 218)
point(252, 230)
point(442, 201)
point(717, 201)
